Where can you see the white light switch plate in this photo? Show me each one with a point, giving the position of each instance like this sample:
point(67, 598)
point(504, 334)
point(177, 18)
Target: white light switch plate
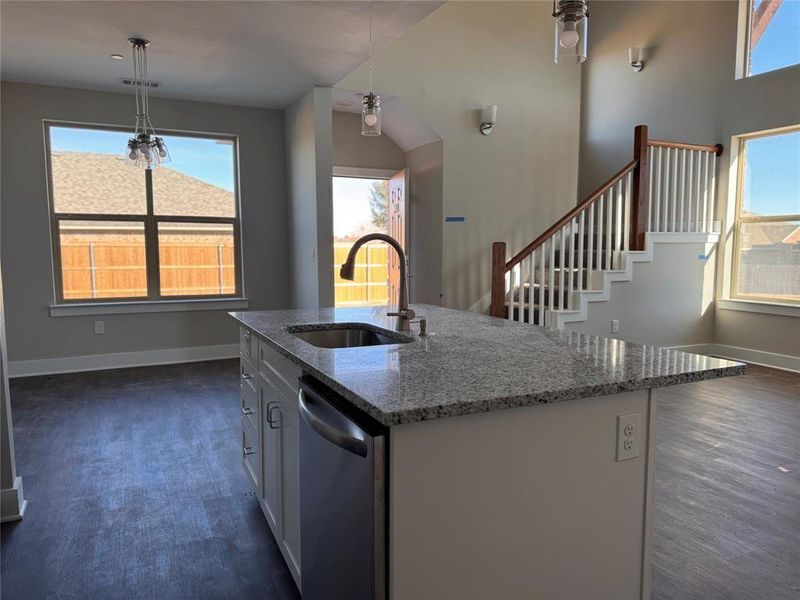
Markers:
point(628, 435)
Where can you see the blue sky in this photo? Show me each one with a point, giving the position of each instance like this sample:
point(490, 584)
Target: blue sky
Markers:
point(350, 205)
point(772, 175)
point(205, 159)
point(780, 45)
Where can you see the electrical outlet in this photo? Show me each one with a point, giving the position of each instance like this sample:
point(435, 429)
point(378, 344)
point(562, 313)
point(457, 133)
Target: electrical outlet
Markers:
point(99, 327)
point(628, 436)
point(614, 325)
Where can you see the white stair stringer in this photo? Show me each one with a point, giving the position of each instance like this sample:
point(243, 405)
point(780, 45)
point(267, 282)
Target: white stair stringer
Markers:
point(601, 280)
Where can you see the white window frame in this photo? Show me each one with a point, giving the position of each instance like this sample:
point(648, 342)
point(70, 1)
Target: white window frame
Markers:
point(759, 303)
point(154, 301)
point(743, 43)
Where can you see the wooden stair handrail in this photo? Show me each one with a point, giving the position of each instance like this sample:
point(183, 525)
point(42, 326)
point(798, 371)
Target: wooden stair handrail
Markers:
point(522, 254)
point(715, 148)
point(639, 170)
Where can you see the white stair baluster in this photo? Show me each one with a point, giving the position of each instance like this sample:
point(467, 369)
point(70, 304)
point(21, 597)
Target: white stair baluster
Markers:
point(682, 186)
point(581, 263)
point(609, 226)
point(690, 194)
point(599, 241)
point(674, 213)
point(657, 203)
point(571, 273)
point(652, 153)
point(667, 167)
point(511, 294)
point(541, 283)
point(561, 263)
point(590, 248)
point(531, 285)
point(551, 287)
point(626, 221)
point(618, 210)
point(698, 193)
point(713, 193)
point(705, 192)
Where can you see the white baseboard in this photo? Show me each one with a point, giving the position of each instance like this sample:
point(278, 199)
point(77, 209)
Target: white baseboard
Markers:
point(118, 360)
point(12, 502)
point(785, 362)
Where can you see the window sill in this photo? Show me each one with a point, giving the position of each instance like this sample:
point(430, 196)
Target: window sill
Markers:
point(768, 308)
point(145, 306)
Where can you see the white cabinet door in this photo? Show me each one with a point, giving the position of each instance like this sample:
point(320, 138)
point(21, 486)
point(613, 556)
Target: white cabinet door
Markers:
point(270, 454)
point(290, 484)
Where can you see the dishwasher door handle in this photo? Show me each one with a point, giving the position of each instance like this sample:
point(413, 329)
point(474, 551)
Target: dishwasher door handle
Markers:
point(334, 435)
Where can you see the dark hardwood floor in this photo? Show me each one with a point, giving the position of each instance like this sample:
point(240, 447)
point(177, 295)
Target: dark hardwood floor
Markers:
point(136, 490)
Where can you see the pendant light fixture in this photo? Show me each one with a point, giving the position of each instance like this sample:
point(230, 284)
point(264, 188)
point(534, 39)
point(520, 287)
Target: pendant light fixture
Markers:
point(145, 148)
point(371, 103)
point(572, 27)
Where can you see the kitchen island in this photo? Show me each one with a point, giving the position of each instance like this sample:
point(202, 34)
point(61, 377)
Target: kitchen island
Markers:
point(519, 459)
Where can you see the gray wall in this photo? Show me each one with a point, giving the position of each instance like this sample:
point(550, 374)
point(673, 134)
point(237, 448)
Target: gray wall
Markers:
point(687, 92)
point(351, 149)
point(425, 193)
point(26, 258)
point(309, 159)
point(515, 183)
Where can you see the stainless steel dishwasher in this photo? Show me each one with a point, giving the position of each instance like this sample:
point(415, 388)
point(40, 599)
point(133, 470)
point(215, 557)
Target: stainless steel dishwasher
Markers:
point(342, 498)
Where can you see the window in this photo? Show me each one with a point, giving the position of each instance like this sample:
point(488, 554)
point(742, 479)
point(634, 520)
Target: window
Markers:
point(767, 236)
point(771, 35)
point(122, 232)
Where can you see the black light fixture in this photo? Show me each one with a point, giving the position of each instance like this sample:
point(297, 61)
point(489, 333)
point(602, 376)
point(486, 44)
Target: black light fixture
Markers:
point(145, 148)
point(571, 29)
point(371, 102)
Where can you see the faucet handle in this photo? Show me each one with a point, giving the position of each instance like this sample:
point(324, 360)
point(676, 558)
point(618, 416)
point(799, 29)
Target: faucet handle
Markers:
point(406, 313)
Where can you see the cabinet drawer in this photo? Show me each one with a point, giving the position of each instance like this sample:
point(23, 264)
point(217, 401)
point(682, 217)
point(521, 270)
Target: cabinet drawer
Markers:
point(247, 344)
point(251, 453)
point(248, 391)
point(278, 370)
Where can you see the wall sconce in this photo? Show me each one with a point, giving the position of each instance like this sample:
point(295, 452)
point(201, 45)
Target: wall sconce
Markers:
point(635, 59)
point(488, 119)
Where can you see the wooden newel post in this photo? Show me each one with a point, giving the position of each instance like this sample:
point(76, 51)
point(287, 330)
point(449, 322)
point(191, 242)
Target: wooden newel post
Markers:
point(498, 279)
point(639, 191)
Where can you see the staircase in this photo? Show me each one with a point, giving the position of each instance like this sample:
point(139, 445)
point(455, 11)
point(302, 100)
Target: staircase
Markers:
point(665, 193)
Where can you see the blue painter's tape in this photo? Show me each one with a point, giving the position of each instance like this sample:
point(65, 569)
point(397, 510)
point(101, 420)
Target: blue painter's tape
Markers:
point(455, 219)
point(702, 257)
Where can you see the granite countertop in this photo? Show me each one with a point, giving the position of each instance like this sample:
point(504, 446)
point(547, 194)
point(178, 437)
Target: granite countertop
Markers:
point(474, 363)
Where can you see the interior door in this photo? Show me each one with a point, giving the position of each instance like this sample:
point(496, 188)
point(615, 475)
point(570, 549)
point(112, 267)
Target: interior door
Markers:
point(398, 206)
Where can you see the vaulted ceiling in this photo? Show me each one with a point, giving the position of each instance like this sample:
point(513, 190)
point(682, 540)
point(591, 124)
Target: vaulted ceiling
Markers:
point(246, 53)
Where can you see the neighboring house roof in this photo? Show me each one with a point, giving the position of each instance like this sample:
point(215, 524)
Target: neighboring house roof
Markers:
point(86, 182)
point(769, 234)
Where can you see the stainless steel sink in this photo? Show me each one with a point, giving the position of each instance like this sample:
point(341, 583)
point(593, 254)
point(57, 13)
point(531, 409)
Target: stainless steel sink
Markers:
point(346, 336)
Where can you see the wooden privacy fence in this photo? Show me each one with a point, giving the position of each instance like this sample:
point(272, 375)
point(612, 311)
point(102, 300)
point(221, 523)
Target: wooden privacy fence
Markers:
point(371, 282)
point(117, 269)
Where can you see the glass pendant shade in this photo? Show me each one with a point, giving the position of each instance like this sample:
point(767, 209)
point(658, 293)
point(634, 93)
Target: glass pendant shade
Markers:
point(371, 115)
point(145, 149)
point(571, 29)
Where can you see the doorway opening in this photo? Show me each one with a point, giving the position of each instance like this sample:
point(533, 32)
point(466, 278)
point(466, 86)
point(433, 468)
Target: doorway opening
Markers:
point(368, 202)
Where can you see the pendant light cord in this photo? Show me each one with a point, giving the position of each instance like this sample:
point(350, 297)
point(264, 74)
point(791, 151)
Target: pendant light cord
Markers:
point(370, 46)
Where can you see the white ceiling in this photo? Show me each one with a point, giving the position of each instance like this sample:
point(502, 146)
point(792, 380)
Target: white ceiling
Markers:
point(262, 53)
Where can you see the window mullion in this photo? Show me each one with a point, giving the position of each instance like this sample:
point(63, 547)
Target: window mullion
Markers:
point(151, 242)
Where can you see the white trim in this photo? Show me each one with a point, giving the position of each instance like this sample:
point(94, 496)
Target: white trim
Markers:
point(146, 306)
point(785, 362)
point(767, 308)
point(118, 360)
point(12, 502)
point(364, 172)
